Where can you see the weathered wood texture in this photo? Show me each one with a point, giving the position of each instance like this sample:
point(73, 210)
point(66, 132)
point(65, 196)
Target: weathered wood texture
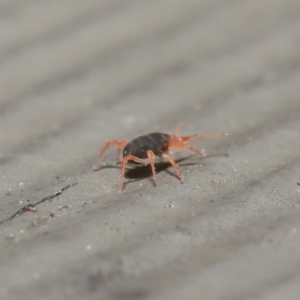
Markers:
point(75, 73)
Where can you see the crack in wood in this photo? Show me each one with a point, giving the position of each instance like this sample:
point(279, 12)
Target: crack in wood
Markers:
point(31, 207)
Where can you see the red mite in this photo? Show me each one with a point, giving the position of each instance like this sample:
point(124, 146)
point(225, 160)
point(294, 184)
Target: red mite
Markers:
point(145, 149)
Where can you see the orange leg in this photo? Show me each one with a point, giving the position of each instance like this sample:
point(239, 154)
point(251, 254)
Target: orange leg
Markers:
point(191, 138)
point(191, 148)
point(125, 161)
point(119, 144)
point(180, 142)
point(175, 166)
point(151, 158)
point(204, 136)
point(177, 128)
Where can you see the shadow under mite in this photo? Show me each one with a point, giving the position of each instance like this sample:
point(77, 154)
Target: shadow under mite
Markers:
point(138, 172)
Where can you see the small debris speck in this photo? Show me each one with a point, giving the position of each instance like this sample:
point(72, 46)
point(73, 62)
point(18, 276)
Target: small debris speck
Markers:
point(31, 208)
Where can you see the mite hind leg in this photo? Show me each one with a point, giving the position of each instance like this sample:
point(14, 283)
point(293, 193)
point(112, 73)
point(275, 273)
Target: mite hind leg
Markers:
point(135, 159)
point(119, 144)
point(149, 160)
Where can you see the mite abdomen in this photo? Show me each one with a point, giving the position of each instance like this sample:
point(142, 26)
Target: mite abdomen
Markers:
point(139, 146)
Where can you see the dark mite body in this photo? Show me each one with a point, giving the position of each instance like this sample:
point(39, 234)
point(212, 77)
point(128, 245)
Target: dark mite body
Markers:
point(157, 142)
point(147, 148)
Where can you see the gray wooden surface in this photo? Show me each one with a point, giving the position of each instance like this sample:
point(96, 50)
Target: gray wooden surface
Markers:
point(75, 73)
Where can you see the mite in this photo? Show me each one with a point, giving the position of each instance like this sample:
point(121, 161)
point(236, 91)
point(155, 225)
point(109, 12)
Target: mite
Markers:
point(146, 149)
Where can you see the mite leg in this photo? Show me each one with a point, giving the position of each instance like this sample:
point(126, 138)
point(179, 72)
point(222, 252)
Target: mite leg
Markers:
point(181, 142)
point(190, 138)
point(177, 128)
point(191, 148)
point(125, 161)
point(175, 166)
point(151, 158)
point(119, 144)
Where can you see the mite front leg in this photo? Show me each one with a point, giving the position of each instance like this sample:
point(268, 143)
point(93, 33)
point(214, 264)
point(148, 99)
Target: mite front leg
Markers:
point(119, 144)
point(177, 128)
point(191, 148)
point(175, 166)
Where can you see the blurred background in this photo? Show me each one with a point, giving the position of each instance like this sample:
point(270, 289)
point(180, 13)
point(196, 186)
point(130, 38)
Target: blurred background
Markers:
point(76, 73)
